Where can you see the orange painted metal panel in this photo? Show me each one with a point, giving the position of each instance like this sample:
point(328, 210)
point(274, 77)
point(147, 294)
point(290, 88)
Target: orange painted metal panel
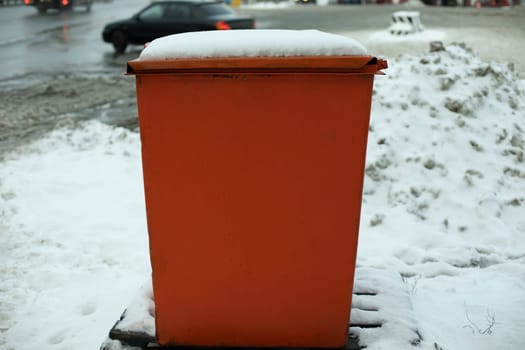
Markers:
point(253, 184)
point(358, 64)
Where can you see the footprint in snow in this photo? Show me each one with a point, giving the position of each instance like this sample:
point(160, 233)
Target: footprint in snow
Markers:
point(88, 308)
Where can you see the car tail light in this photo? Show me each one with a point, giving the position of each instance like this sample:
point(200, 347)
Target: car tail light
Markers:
point(222, 25)
point(65, 2)
point(27, 2)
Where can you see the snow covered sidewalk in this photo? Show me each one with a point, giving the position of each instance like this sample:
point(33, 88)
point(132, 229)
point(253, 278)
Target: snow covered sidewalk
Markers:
point(443, 208)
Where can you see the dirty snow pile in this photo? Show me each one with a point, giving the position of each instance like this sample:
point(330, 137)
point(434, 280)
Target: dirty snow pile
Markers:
point(442, 213)
point(444, 196)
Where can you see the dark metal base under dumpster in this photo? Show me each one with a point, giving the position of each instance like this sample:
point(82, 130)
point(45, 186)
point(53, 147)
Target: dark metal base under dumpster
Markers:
point(375, 292)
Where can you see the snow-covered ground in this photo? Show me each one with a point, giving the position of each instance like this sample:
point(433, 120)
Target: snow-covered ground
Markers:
point(444, 195)
point(443, 210)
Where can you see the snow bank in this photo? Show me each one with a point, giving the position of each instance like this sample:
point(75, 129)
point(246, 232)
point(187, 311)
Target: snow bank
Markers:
point(445, 152)
point(444, 194)
point(442, 208)
point(251, 43)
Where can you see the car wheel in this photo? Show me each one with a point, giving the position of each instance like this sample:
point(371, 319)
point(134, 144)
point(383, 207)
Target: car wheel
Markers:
point(119, 41)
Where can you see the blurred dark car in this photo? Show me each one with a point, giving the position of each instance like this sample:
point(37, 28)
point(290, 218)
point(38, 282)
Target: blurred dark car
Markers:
point(44, 5)
point(171, 17)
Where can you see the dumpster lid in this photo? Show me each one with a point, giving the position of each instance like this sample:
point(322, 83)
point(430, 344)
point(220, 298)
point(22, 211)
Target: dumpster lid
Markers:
point(254, 49)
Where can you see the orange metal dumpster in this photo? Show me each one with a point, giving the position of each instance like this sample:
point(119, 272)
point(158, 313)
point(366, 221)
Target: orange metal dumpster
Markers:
point(253, 174)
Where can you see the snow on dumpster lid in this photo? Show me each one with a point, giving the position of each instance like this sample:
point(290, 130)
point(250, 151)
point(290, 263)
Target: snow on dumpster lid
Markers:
point(255, 50)
point(251, 43)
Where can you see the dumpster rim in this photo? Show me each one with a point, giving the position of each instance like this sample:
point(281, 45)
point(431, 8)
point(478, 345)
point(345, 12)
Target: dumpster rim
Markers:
point(293, 64)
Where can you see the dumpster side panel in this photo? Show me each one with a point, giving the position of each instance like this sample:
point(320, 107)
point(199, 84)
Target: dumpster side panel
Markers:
point(253, 190)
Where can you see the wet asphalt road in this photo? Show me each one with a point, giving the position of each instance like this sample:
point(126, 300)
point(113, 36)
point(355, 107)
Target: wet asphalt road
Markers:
point(71, 42)
point(55, 67)
point(58, 42)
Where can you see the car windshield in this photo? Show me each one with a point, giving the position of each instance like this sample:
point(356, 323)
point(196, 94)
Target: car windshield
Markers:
point(153, 12)
point(213, 9)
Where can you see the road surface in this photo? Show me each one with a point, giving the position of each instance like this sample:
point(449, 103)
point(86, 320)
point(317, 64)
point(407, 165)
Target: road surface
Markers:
point(56, 68)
